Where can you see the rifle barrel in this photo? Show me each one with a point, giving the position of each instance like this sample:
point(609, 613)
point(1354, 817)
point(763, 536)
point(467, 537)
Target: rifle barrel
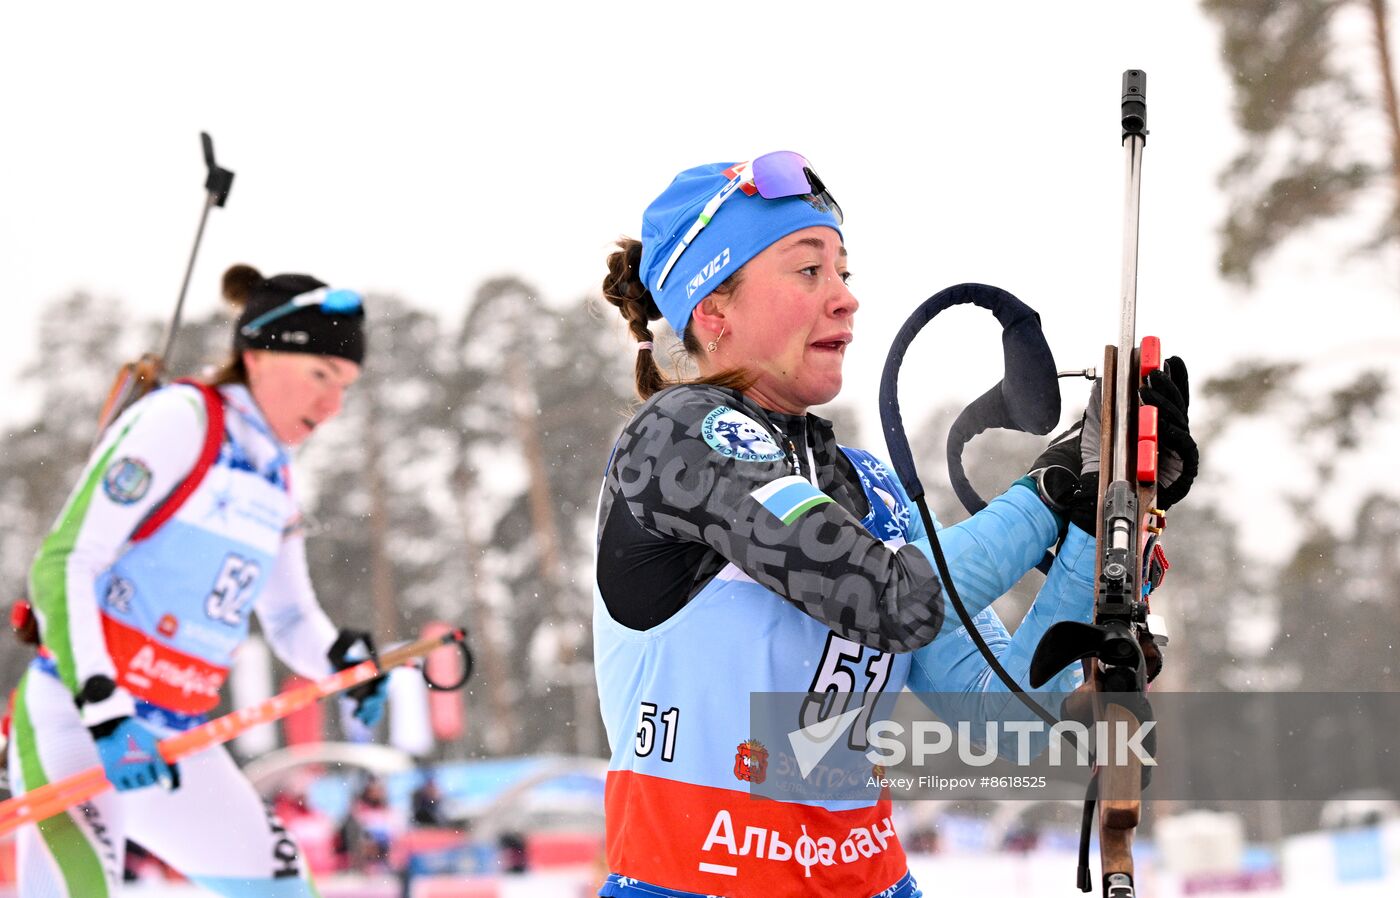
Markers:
point(210, 201)
point(1127, 312)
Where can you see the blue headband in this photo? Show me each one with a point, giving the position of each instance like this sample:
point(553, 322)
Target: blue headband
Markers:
point(742, 228)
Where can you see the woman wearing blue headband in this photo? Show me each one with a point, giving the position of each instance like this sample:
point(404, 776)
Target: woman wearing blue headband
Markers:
point(742, 550)
point(182, 524)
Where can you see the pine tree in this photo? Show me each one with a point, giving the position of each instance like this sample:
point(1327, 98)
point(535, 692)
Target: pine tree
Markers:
point(81, 346)
point(1303, 103)
point(539, 401)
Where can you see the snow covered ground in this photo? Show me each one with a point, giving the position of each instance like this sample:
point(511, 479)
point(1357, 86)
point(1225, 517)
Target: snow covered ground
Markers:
point(1034, 875)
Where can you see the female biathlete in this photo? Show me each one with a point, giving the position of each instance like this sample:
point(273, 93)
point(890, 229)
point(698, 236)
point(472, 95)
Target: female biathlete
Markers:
point(182, 525)
point(740, 550)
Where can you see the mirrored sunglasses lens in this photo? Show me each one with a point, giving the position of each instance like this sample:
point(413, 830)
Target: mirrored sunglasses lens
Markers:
point(341, 301)
point(781, 174)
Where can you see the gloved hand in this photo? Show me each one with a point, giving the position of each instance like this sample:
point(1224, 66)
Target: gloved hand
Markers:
point(131, 755)
point(350, 648)
point(1067, 472)
point(1178, 458)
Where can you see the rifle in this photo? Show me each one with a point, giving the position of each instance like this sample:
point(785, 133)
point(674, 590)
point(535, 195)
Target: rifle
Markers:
point(1129, 524)
point(1128, 559)
point(136, 379)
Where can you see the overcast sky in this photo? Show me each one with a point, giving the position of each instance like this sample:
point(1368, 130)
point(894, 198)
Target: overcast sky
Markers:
point(417, 149)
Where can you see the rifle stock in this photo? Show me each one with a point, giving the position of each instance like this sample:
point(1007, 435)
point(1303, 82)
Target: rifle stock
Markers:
point(134, 380)
point(1120, 611)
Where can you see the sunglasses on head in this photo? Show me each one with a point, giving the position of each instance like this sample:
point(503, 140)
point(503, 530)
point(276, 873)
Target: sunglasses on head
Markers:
point(773, 176)
point(330, 302)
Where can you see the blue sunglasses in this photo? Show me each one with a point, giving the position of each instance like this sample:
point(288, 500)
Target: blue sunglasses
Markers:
point(331, 302)
point(773, 176)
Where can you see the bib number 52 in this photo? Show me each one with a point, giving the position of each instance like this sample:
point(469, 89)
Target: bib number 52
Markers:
point(233, 590)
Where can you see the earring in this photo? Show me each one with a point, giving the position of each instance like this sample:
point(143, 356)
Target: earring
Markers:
point(714, 344)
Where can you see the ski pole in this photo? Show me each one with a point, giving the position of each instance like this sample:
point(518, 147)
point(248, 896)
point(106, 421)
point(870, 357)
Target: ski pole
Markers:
point(139, 377)
point(60, 795)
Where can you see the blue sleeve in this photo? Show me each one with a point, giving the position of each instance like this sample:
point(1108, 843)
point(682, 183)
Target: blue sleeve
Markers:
point(956, 682)
point(991, 551)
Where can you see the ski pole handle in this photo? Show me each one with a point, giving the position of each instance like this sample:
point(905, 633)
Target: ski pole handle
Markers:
point(58, 796)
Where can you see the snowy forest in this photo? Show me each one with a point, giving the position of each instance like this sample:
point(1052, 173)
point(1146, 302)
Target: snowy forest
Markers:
point(460, 482)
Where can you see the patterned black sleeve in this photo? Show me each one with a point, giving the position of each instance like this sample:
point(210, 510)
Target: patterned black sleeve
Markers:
point(698, 468)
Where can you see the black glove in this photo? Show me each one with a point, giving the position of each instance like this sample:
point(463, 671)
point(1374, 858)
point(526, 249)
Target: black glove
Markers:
point(1178, 458)
point(1066, 474)
point(352, 647)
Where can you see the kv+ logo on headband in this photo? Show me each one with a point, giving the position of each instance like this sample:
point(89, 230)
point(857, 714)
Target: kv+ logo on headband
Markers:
point(712, 268)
